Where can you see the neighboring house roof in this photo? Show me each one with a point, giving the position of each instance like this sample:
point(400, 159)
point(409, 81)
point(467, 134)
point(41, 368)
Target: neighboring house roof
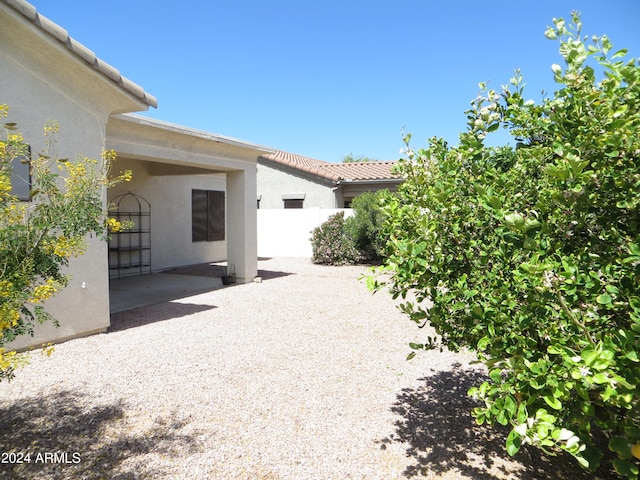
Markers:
point(335, 172)
point(83, 53)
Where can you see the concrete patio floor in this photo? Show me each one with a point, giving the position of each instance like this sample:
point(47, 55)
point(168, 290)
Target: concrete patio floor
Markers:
point(138, 291)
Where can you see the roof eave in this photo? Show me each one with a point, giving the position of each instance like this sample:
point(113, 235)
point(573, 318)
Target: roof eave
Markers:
point(179, 129)
point(81, 52)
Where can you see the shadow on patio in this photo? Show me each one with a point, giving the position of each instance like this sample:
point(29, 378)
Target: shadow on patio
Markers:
point(127, 319)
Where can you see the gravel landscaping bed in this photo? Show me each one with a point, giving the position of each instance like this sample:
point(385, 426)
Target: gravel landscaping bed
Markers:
point(302, 376)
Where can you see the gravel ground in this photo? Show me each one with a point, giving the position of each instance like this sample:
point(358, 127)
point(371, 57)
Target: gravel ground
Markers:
point(302, 376)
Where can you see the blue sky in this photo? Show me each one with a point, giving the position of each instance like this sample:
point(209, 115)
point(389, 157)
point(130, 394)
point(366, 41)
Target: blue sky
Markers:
point(325, 78)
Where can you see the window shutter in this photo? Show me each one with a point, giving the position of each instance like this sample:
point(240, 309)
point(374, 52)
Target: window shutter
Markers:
point(199, 215)
point(215, 231)
point(207, 216)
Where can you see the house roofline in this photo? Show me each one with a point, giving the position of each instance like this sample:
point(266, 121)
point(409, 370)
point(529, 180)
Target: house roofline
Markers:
point(349, 181)
point(307, 170)
point(80, 51)
point(180, 129)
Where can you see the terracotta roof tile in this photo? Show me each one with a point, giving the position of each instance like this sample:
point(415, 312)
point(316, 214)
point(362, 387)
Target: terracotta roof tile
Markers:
point(356, 171)
point(363, 170)
point(62, 36)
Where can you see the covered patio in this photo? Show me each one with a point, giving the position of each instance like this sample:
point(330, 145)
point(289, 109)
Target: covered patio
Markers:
point(169, 163)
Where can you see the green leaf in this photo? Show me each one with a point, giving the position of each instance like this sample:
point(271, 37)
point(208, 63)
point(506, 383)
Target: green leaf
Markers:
point(496, 375)
point(553, 402)
point(483, 343)
point(620, 53)
point(621, 446)
point(600, 378)
point(625, 468)
point(612, 289)
point(558, 149)
point(514, 221)
point(514, 442)
point(633, 356)
point(495, 202)
point(603, 299)
point(510, 405)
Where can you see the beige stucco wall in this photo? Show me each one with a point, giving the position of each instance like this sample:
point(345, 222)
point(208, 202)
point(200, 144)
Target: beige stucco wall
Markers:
point(40, 80)
point(170, 199)
point(274, 182)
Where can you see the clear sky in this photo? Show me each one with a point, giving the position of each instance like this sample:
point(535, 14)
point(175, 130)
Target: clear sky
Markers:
point(325, 78)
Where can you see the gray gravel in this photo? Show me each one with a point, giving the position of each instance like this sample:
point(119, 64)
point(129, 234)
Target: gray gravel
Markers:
point(302, 376)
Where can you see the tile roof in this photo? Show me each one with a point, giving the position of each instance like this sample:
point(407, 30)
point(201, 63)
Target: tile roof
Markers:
point(336, 172)
point(61, 35)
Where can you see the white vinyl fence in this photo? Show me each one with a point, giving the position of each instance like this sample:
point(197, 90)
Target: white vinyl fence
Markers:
point(287, 232)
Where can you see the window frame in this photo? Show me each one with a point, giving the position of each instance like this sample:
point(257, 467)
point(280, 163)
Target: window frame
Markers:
point(208, 215)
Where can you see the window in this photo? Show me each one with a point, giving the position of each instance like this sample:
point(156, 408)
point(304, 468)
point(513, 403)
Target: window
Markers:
point(21, 177)
point(293, 203)
point(293, 200)
point(207, 215)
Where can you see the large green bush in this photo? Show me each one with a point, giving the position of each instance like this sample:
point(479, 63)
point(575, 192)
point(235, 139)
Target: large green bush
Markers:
point(331, 245)
point(531, 255)
point(365, 227)
point(359, 238)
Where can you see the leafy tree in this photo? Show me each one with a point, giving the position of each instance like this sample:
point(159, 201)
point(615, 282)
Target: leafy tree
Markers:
point(531, 255)
point(39, 236)
point(350, 158)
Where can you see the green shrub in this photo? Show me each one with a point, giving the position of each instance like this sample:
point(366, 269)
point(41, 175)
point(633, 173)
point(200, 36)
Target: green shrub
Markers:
point(365, 227)
point(331, 245)
point(531, 255)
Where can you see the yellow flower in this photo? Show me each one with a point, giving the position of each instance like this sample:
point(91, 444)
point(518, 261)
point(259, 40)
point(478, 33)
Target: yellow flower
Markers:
point(44, 292)
point(114, 225)
point(109, 155)
point(5, 288)
point(51, 127)
point(15, 138)
point(48, 349)
point(65, 247)
point(7, 359)
point(9, 316)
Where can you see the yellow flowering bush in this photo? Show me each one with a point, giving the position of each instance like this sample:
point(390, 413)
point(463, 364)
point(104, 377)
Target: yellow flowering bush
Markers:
point(38, 236)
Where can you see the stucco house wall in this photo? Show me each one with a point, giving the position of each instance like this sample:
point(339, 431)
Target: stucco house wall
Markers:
point(41, 79)
point(273, 183)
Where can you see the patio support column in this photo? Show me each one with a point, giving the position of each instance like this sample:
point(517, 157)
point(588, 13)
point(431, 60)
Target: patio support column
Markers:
point(242, 220)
